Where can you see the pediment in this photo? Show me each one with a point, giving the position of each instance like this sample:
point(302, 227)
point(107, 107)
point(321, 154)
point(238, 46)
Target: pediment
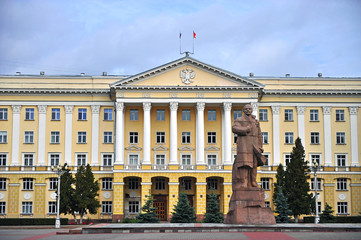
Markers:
point(186, 73)
point(212, 148)
point(133, 148)
point(160, 148)
point(185, 148)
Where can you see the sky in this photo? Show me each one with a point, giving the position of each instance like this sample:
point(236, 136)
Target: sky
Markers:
point(265, 37)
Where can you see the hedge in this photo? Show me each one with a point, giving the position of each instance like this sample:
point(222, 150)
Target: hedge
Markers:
point(338, 219)
point(30, 221)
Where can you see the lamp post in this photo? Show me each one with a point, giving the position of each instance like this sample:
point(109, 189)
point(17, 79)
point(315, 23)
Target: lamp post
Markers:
point(59, 171)
point(315, 168)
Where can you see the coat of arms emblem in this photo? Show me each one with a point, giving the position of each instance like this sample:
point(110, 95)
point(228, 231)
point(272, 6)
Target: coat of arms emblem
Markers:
point(187, 75)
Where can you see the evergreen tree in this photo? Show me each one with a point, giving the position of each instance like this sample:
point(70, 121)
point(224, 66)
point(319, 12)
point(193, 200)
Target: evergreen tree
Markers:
point(296, 186)
point(148, 214)
point(86, 191)
point(213, 214)
point(282, 207)
point(326, 215)
point(280, 181)
point(183, 212)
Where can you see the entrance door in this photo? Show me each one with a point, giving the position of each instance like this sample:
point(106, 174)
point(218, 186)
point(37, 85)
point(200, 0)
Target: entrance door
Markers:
point(160, 202)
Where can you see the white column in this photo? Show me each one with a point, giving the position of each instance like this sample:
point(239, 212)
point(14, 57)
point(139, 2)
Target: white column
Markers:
point(354, 139)
point(41, 135)
point(95, 135)
point(255, 109)
point(276, 135)
point(68, 134)
point(227, 106)
point(301, 123)
point(200, 133)
point(146, 133)
point(173, 133)
point(119, 133)
point(15, 135)
point(327, 135)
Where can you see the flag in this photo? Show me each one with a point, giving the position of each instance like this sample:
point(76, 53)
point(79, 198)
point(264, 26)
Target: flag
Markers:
point(180, 35)
point(194, 34)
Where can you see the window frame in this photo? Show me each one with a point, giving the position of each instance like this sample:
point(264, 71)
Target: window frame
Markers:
point(29, 137)
point(212, 115)
point(107, 183)
point(55, 137)
point(131, 158)
point(212, 137)
point(184, 157)
point(3, 183)
point(265, 137)
point(237, 113)
point(160, 114)
point(160, 184)
point(265, 183)
point(4, 137)
point(81, 157)
point(107, 159)
point(133, 207)
point(29, 114)
point(133, 183)
point(341, 184)
point(51, 159)
point(160, 137)
point(108, 114)
point(107, 207)
point(108, 137)
point(82, 114)
point(337, 157)
point(52, 208)
point(3, 114)
point(340, 115)
point(213, 157)
point(186, 114)
point(289, 138)
point(133, 114)
point(319, 184)
point(340, 138)
point(159, 158)
point(288, 115)
point(53, 183)
point(55, 114)
point(342, 208)
point(28, 159)
point(28, 184)
point(314, 115)
point(133, 137)
point(2, 208)
point(3, 159)
point(315, 138)
point(212, 183)
point(186, 137)
point(82, 137)
point(27, 206)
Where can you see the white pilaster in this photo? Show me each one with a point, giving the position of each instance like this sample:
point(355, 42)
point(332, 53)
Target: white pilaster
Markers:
point(301, 123)
point(146, 133)
point(173, 133)
point(15, 135)
point(354, 139)
point(119, 133)
point(255, 109)
point(276, 135)
point(41, 135)
point(200, 134)
point(327, 134)
point(95, 135)
point(68, 134)
point(227, 148)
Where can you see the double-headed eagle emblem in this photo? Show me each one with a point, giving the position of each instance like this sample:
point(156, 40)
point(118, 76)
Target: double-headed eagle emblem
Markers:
point(187, 75)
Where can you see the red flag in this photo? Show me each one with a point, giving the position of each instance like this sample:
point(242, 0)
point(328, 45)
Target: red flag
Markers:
point(194, 34)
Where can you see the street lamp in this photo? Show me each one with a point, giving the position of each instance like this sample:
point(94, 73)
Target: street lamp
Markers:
point(315, 168)
point(59, 171)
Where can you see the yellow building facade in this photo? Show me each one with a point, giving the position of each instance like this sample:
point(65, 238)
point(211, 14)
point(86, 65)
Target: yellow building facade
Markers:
point(168, 130)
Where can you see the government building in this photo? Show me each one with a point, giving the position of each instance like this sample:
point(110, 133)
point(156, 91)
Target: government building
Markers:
point(168, 130)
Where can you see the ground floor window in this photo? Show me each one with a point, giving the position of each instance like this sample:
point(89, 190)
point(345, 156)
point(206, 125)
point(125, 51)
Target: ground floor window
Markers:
point(27, 208)
point(187, 184)
point(107, 206)
point(160, 184)
point(133, 206)
point(2, 207)
point(342, 208)
point(212, 184)
point(52, 207)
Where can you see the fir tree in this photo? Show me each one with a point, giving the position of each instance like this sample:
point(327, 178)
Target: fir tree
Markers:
point(68, 203)
point(213, 214)
point(183, 212)
point(280, 181)
point(148, 214)
point(326, 215)
point(282, 207)
point(296, 186)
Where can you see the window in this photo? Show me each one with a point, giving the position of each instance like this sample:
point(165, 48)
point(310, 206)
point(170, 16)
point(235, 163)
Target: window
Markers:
point(27, 208)
point(2, 207)
point(315, 138)
point(3, 136)
point(28, 159)
point(2, 183)
point(235, 138)
point(107, 159)
point(265, 137)
point(212, 137)
point(29, 137)
point(81, 159)
point(81, 137)
point(318, 184)
point(133, 159)
point(288, 115)
point(186, 137)
point(3, 158)
point(266, 155)
point(54, 159)
point(316, 158)
point(53, 183)
point(289, 138)
point(186, 114)
point(212, 159)
point(287, 158)
point(187, 184)
point(27, 184)
point(55, 114)
point(133, 137)
point(160, 184)
point(133, 206)
point(108, 137)
point(342, 184)
point(265, 183)
point(340, 138)
point(237, 113)
point(54, 137)
point(212, 183)
point(340, 115)
point(319, 207)
point(29, 113)
point(342, 208)
point(263, 115)
point(52, 207)
point(314, 115)
point(82, 114)
point(160, 115)
point(3, 114)
point(133, 114)
point(211, 115)
point(160, 137)
point(107, 183)
point(341, 160)
point(133, 183)
point(107, 206)
point(267, 204)
point(160, 159)
point(108, 114)
point(186, 159)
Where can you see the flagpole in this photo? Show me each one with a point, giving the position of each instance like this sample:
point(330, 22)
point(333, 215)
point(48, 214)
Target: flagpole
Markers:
point(180, 43)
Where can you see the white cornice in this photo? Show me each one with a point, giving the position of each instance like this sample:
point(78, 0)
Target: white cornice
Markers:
point(311, 92)
point(53, 91)
point(186, 88)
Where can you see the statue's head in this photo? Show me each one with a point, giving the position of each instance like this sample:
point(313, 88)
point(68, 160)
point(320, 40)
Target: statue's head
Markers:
point(247, 109)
